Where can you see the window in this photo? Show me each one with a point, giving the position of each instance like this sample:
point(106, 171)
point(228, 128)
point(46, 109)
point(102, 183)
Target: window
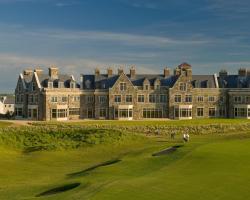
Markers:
point(103, 112)
point(54, 99)
point(64, 99)
point(61, 85)
point(247, 99)
point(123, 113)
point(147, 87)
point(163, 98)
point(177, 98)
point(33, 86)
point(117, 98)
point(211, 112)
point(183, 112)
point(74, 111)
point(188, 98)
point(35, 98)
point(240, 112)
point(17, 98)
point(200, 112)
point(54, 113)
point(200, 98)
point(59, 113)
point(183, 86)
point(72, 85)
point(152, 113)
point(222, 111)
point(237, 99)
point(50, 85)
point(21, 98)
point(157, 86)
point(102, 99)
point(123, 86)
point(19, 112)
point(29, 113)
point(62, 113)
point(55, 84)
point(129, 98)
point(76, 98)
point(31, 98)
point(221, 99)
point(90, 99)
point(140, 98)
point(90, 113)
point(19, 87)
point(211, 99)
point(152, 98)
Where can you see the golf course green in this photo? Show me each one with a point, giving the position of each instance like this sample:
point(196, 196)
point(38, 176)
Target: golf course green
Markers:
point(105, 164)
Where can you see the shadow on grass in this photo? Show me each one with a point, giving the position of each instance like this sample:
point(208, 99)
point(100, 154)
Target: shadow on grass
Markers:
point(57, 190)
point(167, 151)
point(85, 171)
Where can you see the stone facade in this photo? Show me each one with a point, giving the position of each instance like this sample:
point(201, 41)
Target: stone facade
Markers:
point(180, 95)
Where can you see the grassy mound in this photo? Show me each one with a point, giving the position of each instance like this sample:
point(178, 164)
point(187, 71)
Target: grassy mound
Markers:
point(32, 139)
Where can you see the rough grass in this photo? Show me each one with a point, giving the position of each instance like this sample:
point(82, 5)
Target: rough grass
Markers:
point(156, 122)
point(31, 139)
point(5, 124)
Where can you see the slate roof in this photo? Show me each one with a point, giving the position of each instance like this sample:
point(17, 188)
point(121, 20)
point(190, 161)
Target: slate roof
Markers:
point(234, 81)
point(103, 81)
point(203, 81)
point(44, 78)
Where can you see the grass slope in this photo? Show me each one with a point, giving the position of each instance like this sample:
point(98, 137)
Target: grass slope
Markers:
point(209, 167)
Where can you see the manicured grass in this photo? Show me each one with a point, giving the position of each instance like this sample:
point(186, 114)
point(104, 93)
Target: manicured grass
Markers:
point(208, 167)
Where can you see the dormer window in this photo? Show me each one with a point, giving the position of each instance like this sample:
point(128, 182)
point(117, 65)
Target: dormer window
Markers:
point(55, 85)
point(50, 84)
point(147, 87)
point(61, 85)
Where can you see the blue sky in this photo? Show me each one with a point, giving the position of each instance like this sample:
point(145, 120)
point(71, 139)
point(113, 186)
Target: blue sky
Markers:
point(80, 35)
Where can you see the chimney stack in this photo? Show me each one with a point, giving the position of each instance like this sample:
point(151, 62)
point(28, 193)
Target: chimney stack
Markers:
point(97, 72)
point(38, 71)
point(120, 71)
point(132, 72)
point(166, 72)
point(242, 72)
point(27, 72)
point(223, 73)
point(53, 72)
point(109, 72)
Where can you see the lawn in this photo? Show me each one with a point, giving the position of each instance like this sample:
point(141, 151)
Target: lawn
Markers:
point(214, 166)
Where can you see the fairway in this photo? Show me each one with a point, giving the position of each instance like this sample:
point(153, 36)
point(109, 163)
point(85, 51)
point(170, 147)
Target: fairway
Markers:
point(214, 166)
